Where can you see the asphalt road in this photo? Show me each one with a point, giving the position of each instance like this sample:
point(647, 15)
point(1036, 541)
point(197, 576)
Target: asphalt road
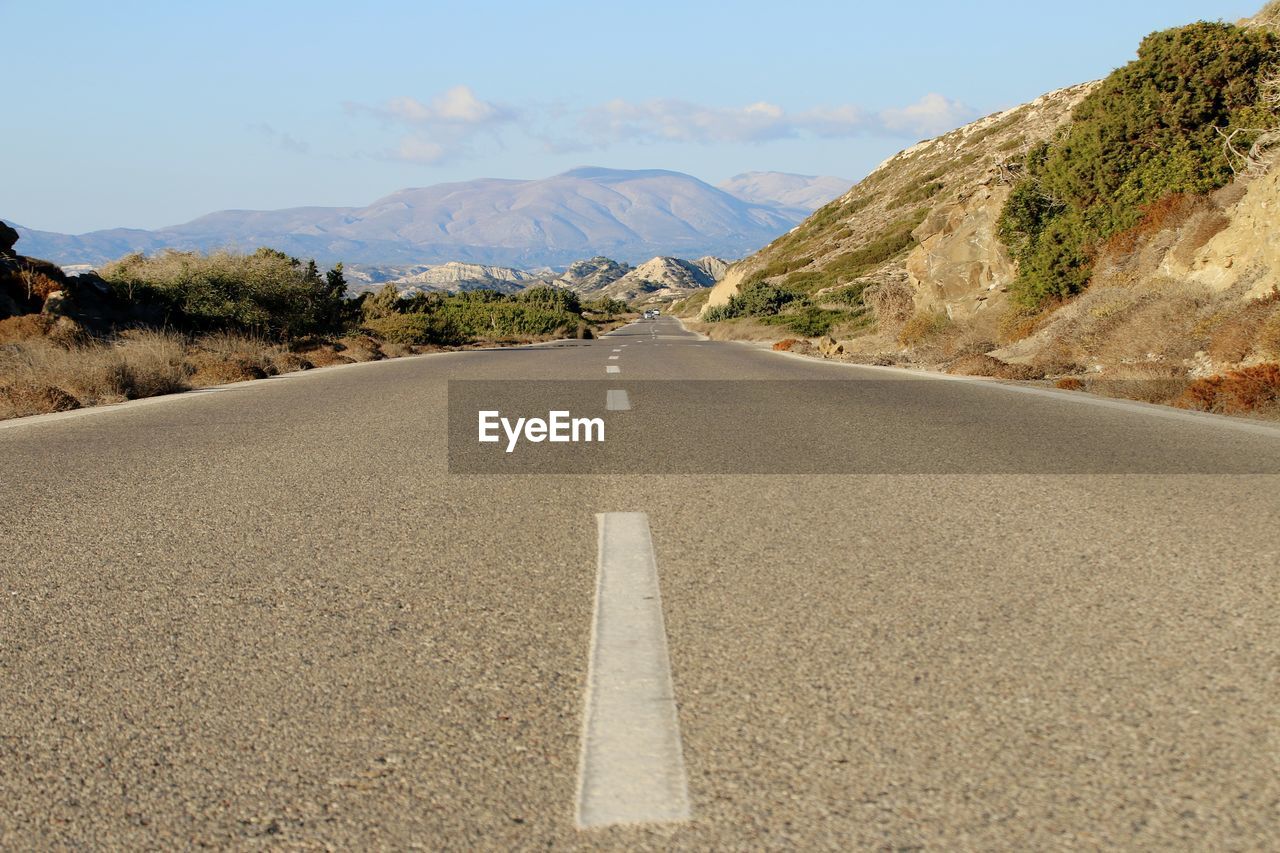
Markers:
point(901, 612)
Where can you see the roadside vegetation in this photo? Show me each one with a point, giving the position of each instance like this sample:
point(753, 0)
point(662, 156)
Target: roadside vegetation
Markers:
point(1158, 128)
point(1130, 218)
point(145, 326)
point(458, 318)
point(796, 312)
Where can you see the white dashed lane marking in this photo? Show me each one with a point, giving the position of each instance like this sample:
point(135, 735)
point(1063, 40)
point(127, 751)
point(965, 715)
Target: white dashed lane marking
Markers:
point(631, 769)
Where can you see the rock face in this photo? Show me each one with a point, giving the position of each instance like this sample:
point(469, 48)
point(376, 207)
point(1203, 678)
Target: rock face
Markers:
point(1246, 253)
point(960, 267)
point(8, 237)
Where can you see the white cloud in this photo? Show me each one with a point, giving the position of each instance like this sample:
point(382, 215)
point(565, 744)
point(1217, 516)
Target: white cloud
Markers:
point(442, 128)
point(673, 120)
point(415, 150)
point(457, 107)
point(931, 115)
point(450, 124)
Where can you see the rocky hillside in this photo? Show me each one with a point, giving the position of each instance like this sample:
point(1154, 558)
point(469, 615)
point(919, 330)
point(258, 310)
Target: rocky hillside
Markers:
point(869, 233)
point(456, 275)
point(1116, 236)
point(666, 279)
point(592, 275)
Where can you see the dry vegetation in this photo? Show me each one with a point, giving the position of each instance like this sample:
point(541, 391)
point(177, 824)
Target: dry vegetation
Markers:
point(51, 366)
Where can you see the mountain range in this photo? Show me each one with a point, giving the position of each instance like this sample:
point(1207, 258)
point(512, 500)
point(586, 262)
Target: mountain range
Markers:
point(626, 214)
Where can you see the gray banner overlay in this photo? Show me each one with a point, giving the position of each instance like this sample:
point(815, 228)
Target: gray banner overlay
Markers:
point(835, 427)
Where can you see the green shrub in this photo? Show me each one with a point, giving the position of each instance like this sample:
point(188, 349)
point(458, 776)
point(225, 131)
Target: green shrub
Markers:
point(915, 195)
point(812, 322)
point(1148, 131)
point(266, 293)
point(408, 329)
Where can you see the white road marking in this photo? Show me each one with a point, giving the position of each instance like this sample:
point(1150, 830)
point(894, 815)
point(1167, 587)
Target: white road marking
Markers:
point(617, 401)
point(613, 358)
point(619, 349)
point(613, 368)
point(631, 769)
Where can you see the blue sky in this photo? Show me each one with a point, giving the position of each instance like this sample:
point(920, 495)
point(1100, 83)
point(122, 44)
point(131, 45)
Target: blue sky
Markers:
point(144, 114)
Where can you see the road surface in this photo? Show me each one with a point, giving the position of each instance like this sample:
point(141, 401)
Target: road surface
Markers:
point(894, 612)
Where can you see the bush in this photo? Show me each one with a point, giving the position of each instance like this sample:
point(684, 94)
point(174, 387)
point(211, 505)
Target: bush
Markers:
point(222, 357)
point(412, 329)
point(922, 325)
point(753, 299)
point(809, 321)
point(265, 293)
point(1245, 391)
point(1149, 131)
point(41, 376)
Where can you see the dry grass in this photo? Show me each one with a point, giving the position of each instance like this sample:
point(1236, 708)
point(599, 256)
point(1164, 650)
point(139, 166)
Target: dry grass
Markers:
point(740, 329)
point(1069, 383)
point(1019, 322)
point(223, 357)
point(985, 365)
point(891, 303)
point(1250, 390)
point(1238, 333)
point(1166, 322)
point(26, 327)
point(1269, 336)
point(361, 348)
point(1148, 383)
point(39, 375)
point(922, 326)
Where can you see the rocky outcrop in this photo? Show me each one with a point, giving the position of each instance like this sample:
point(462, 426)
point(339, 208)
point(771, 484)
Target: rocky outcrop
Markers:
point(715, 268)
point(8, 237)
point(1245, 255)
point(664, 279)
point(960, 267)
point(30, 286)
point(456, 275)
point(592, 275)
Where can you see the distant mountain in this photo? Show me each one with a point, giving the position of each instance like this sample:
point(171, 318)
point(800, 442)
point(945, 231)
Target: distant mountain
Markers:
point(780, 189)
point(627, 215)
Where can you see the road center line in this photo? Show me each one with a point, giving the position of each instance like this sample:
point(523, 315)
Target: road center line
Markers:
point(613, 358)
point(631, 768)
point(617, 401)
point(613, 368)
